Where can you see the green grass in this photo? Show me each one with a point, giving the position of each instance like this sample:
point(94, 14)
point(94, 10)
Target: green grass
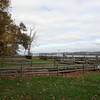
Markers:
point(51, 88)
point(17, 62)
point(38, 61)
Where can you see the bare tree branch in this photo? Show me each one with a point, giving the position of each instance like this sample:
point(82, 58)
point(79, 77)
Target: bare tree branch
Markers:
point(33, 37)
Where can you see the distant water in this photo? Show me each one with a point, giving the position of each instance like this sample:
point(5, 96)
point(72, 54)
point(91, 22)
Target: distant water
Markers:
point(75, 55)
point(81, 55)
point(66, 55)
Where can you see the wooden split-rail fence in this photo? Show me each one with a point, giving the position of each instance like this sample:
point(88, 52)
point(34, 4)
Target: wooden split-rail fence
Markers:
point(59, 65)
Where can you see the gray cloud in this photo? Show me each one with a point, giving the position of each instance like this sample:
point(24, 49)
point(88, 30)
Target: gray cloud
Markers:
point(61, 22)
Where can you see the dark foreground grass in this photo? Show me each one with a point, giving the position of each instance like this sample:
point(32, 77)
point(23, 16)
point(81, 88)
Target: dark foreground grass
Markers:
point(51, 88)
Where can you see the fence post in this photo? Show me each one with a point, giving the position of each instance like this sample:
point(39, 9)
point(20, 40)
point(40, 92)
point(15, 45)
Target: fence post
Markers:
point(54, 61)
point(31, 63)
point(0, 67)
point(21, 70)
point(57, 70)
point(83, 68)
point(72, 59)
point(96, 62)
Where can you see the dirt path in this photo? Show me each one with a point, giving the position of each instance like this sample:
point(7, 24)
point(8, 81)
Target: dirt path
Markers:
point(71, 74)
point(80, 73)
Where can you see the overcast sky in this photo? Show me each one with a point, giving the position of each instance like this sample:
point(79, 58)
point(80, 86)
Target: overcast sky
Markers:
point(62, 25)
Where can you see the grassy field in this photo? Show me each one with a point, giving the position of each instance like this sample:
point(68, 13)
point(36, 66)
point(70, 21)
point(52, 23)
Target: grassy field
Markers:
point(8, 62)
point(39, 61)
point(51, 88)
point(13, 62)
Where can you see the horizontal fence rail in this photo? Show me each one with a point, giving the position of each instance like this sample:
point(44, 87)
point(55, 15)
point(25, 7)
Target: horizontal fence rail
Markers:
point(55, 65)
point(42, 70)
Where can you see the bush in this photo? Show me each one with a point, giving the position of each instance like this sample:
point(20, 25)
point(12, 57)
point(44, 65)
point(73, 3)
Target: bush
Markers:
point(43, 57)
point(28, 57)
